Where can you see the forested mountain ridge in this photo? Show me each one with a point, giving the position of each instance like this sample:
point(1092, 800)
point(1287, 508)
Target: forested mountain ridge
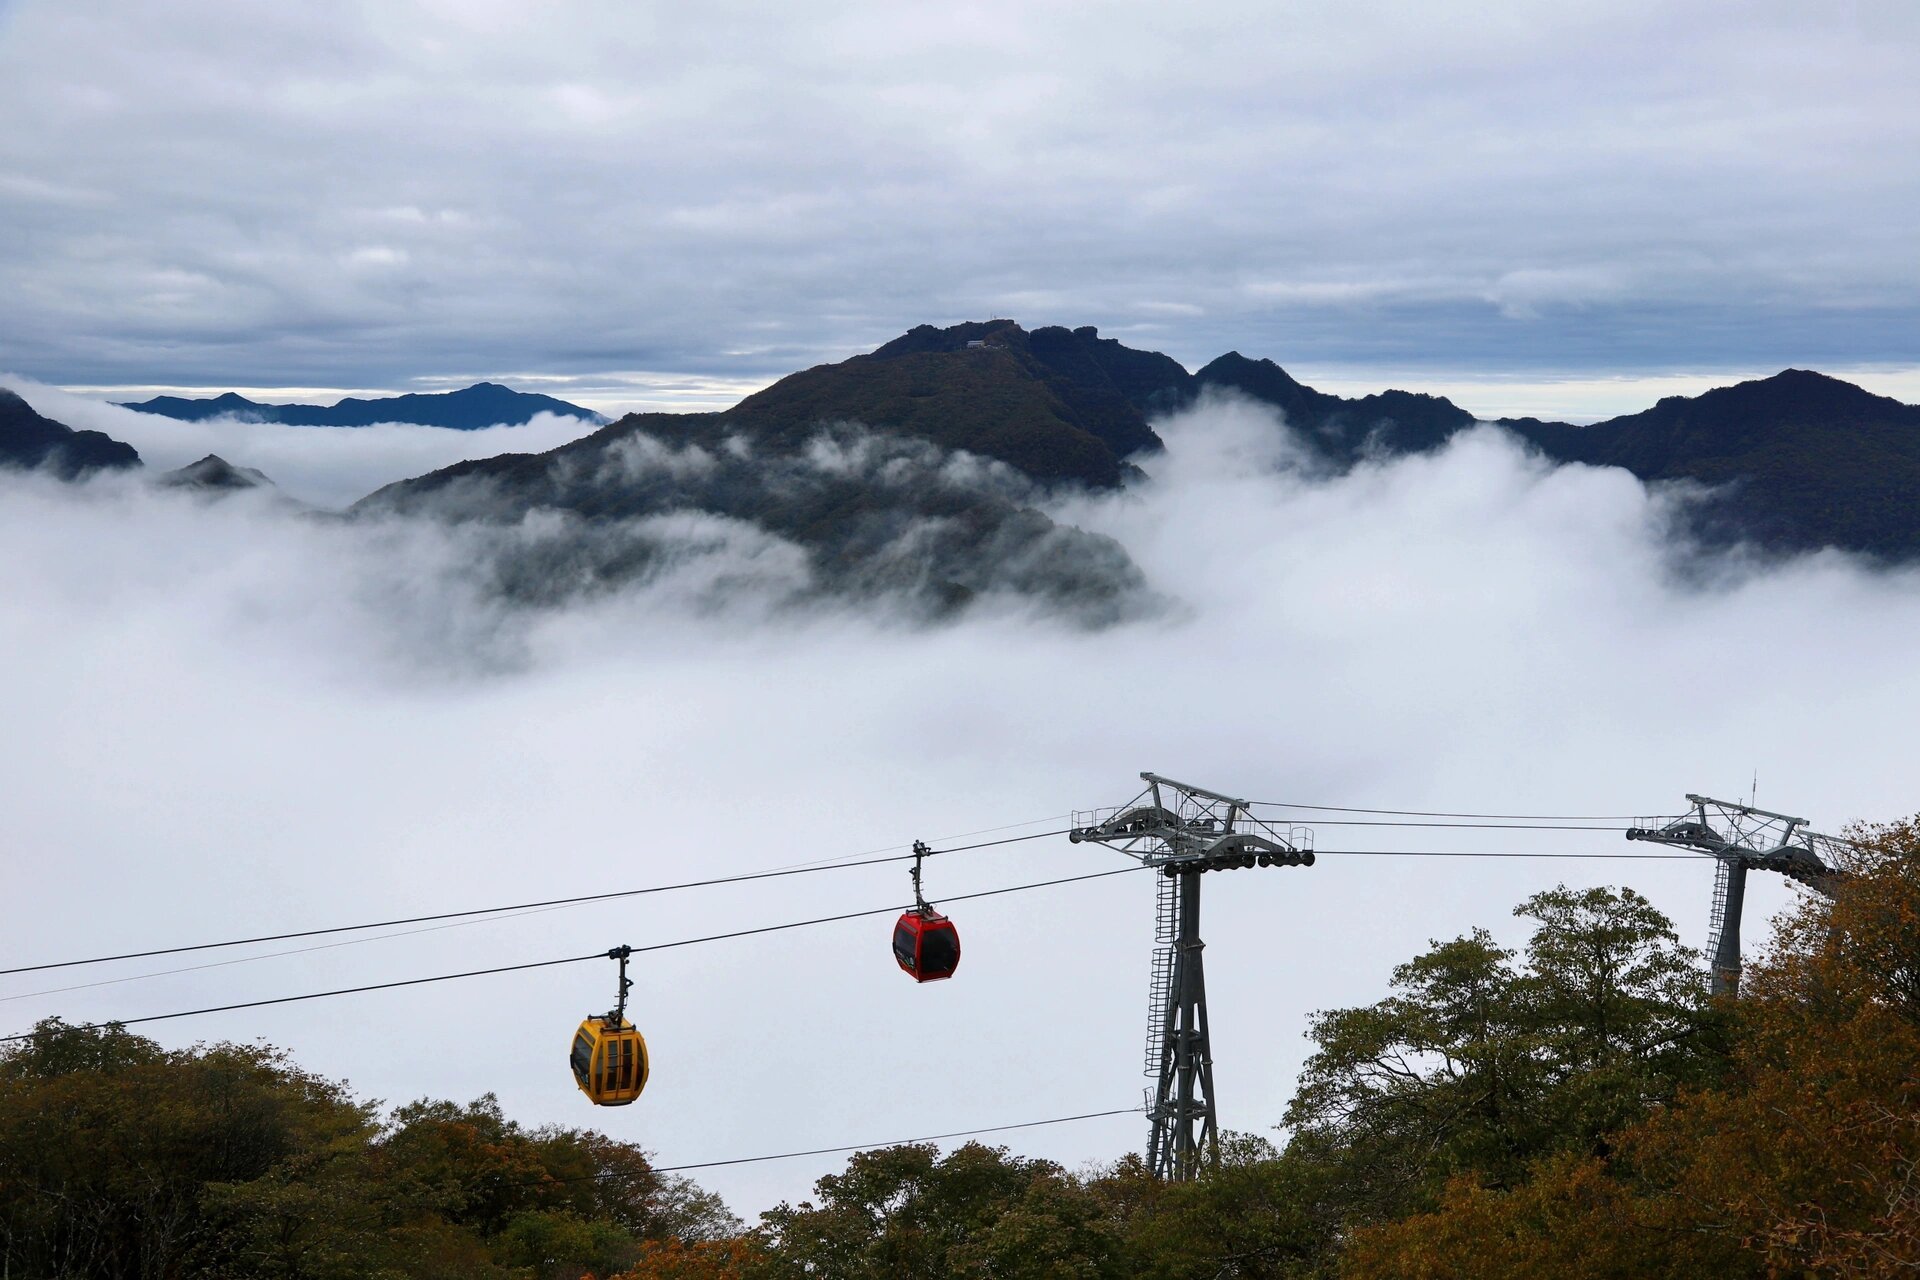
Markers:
point(1343, 430)
point(1062, 406)
point(916, 472)
point(1801, 460)
point(1794, 462)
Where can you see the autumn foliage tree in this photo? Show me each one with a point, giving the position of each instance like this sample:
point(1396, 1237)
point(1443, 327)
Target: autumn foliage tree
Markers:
point(1483, 1060)
point(1801, 1158)
point(908, 1211)
point(121, 1159)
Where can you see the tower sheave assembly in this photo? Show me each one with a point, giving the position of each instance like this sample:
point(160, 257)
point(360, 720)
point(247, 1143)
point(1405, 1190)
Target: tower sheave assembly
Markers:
point(1741, 838)
point(1185, 832)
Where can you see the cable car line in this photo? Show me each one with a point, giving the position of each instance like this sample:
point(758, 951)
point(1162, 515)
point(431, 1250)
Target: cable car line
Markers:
point(621, 1175)
point(516, 906)
point(1489, 853)
point(1426, 813)
point(544, 964)
point(960, 835)
point(1324, 853)
point(872, 1146)
point(271, 955)
point(510, 914)
point(1466, 826)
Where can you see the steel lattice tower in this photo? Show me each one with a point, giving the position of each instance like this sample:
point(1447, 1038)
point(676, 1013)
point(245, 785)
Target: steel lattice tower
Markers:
point(1185, 831)
point(1741, 838)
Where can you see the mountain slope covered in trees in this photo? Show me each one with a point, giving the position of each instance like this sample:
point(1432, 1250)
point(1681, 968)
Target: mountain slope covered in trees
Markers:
point(1794, 462)
point(1798, 460)
point(915, 473)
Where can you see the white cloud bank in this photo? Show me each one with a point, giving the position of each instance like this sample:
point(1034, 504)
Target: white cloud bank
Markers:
point(223, 720)
point(329, 467)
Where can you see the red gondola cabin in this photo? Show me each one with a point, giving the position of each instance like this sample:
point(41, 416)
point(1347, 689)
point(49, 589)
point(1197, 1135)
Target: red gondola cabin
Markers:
point(927, 945)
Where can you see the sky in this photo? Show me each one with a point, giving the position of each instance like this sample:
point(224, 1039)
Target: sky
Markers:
point(1539, 206)
point(231, 717)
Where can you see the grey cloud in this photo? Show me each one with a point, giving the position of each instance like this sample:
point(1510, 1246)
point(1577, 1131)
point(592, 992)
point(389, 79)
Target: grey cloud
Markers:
point(230, 193)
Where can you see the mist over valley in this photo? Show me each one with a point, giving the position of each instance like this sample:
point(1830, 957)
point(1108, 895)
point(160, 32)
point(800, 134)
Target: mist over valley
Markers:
point(926, 477)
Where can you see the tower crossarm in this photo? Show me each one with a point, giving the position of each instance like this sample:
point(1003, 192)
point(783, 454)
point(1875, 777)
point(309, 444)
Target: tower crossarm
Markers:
point(1756, 839)
point(1175, 822)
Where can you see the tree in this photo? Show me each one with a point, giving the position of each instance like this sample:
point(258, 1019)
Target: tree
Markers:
point(1618, 1007)
point(905, 1211)
point(1800, 1157)
point(1256, 1215)
point(108, 1145)
point(119, 1158)
point(1478, 1064)
point(735, 1259)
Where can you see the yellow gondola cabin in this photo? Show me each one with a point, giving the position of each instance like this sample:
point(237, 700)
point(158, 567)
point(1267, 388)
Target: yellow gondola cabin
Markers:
point(609, 1056)
point(609, 1061)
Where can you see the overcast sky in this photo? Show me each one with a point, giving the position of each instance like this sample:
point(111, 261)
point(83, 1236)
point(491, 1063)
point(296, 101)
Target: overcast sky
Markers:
point(652, 204)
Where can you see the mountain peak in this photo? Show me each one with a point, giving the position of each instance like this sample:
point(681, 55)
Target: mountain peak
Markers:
point(216, 473)
point(1793, 461)
point(956, 337)
point(1059, 404)
point(1792, 398)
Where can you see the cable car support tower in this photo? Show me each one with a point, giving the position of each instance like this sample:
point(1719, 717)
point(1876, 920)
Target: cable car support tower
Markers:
point(1184, 832)
point(1741, 838)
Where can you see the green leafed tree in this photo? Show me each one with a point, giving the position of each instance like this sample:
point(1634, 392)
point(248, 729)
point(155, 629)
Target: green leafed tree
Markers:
point(906, 1211)
point(122, 1159)
point(1483, 1059)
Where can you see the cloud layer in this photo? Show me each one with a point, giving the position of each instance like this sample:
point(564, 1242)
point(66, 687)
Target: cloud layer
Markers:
point(225, 719)
point(848, 514)
point(222, 193)
point(327, 467)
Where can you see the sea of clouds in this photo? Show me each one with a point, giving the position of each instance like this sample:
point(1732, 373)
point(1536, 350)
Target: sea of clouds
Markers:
point(229, 717)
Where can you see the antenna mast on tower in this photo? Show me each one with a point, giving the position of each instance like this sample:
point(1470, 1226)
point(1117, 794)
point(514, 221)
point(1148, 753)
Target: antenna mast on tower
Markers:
point(1185, 831)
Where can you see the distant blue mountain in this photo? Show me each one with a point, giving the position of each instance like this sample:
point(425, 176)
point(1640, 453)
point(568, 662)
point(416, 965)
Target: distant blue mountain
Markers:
point(484, 404)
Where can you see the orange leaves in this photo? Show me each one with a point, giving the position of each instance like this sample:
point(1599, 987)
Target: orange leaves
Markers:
point(1804, 1159)
point(694, 1260)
